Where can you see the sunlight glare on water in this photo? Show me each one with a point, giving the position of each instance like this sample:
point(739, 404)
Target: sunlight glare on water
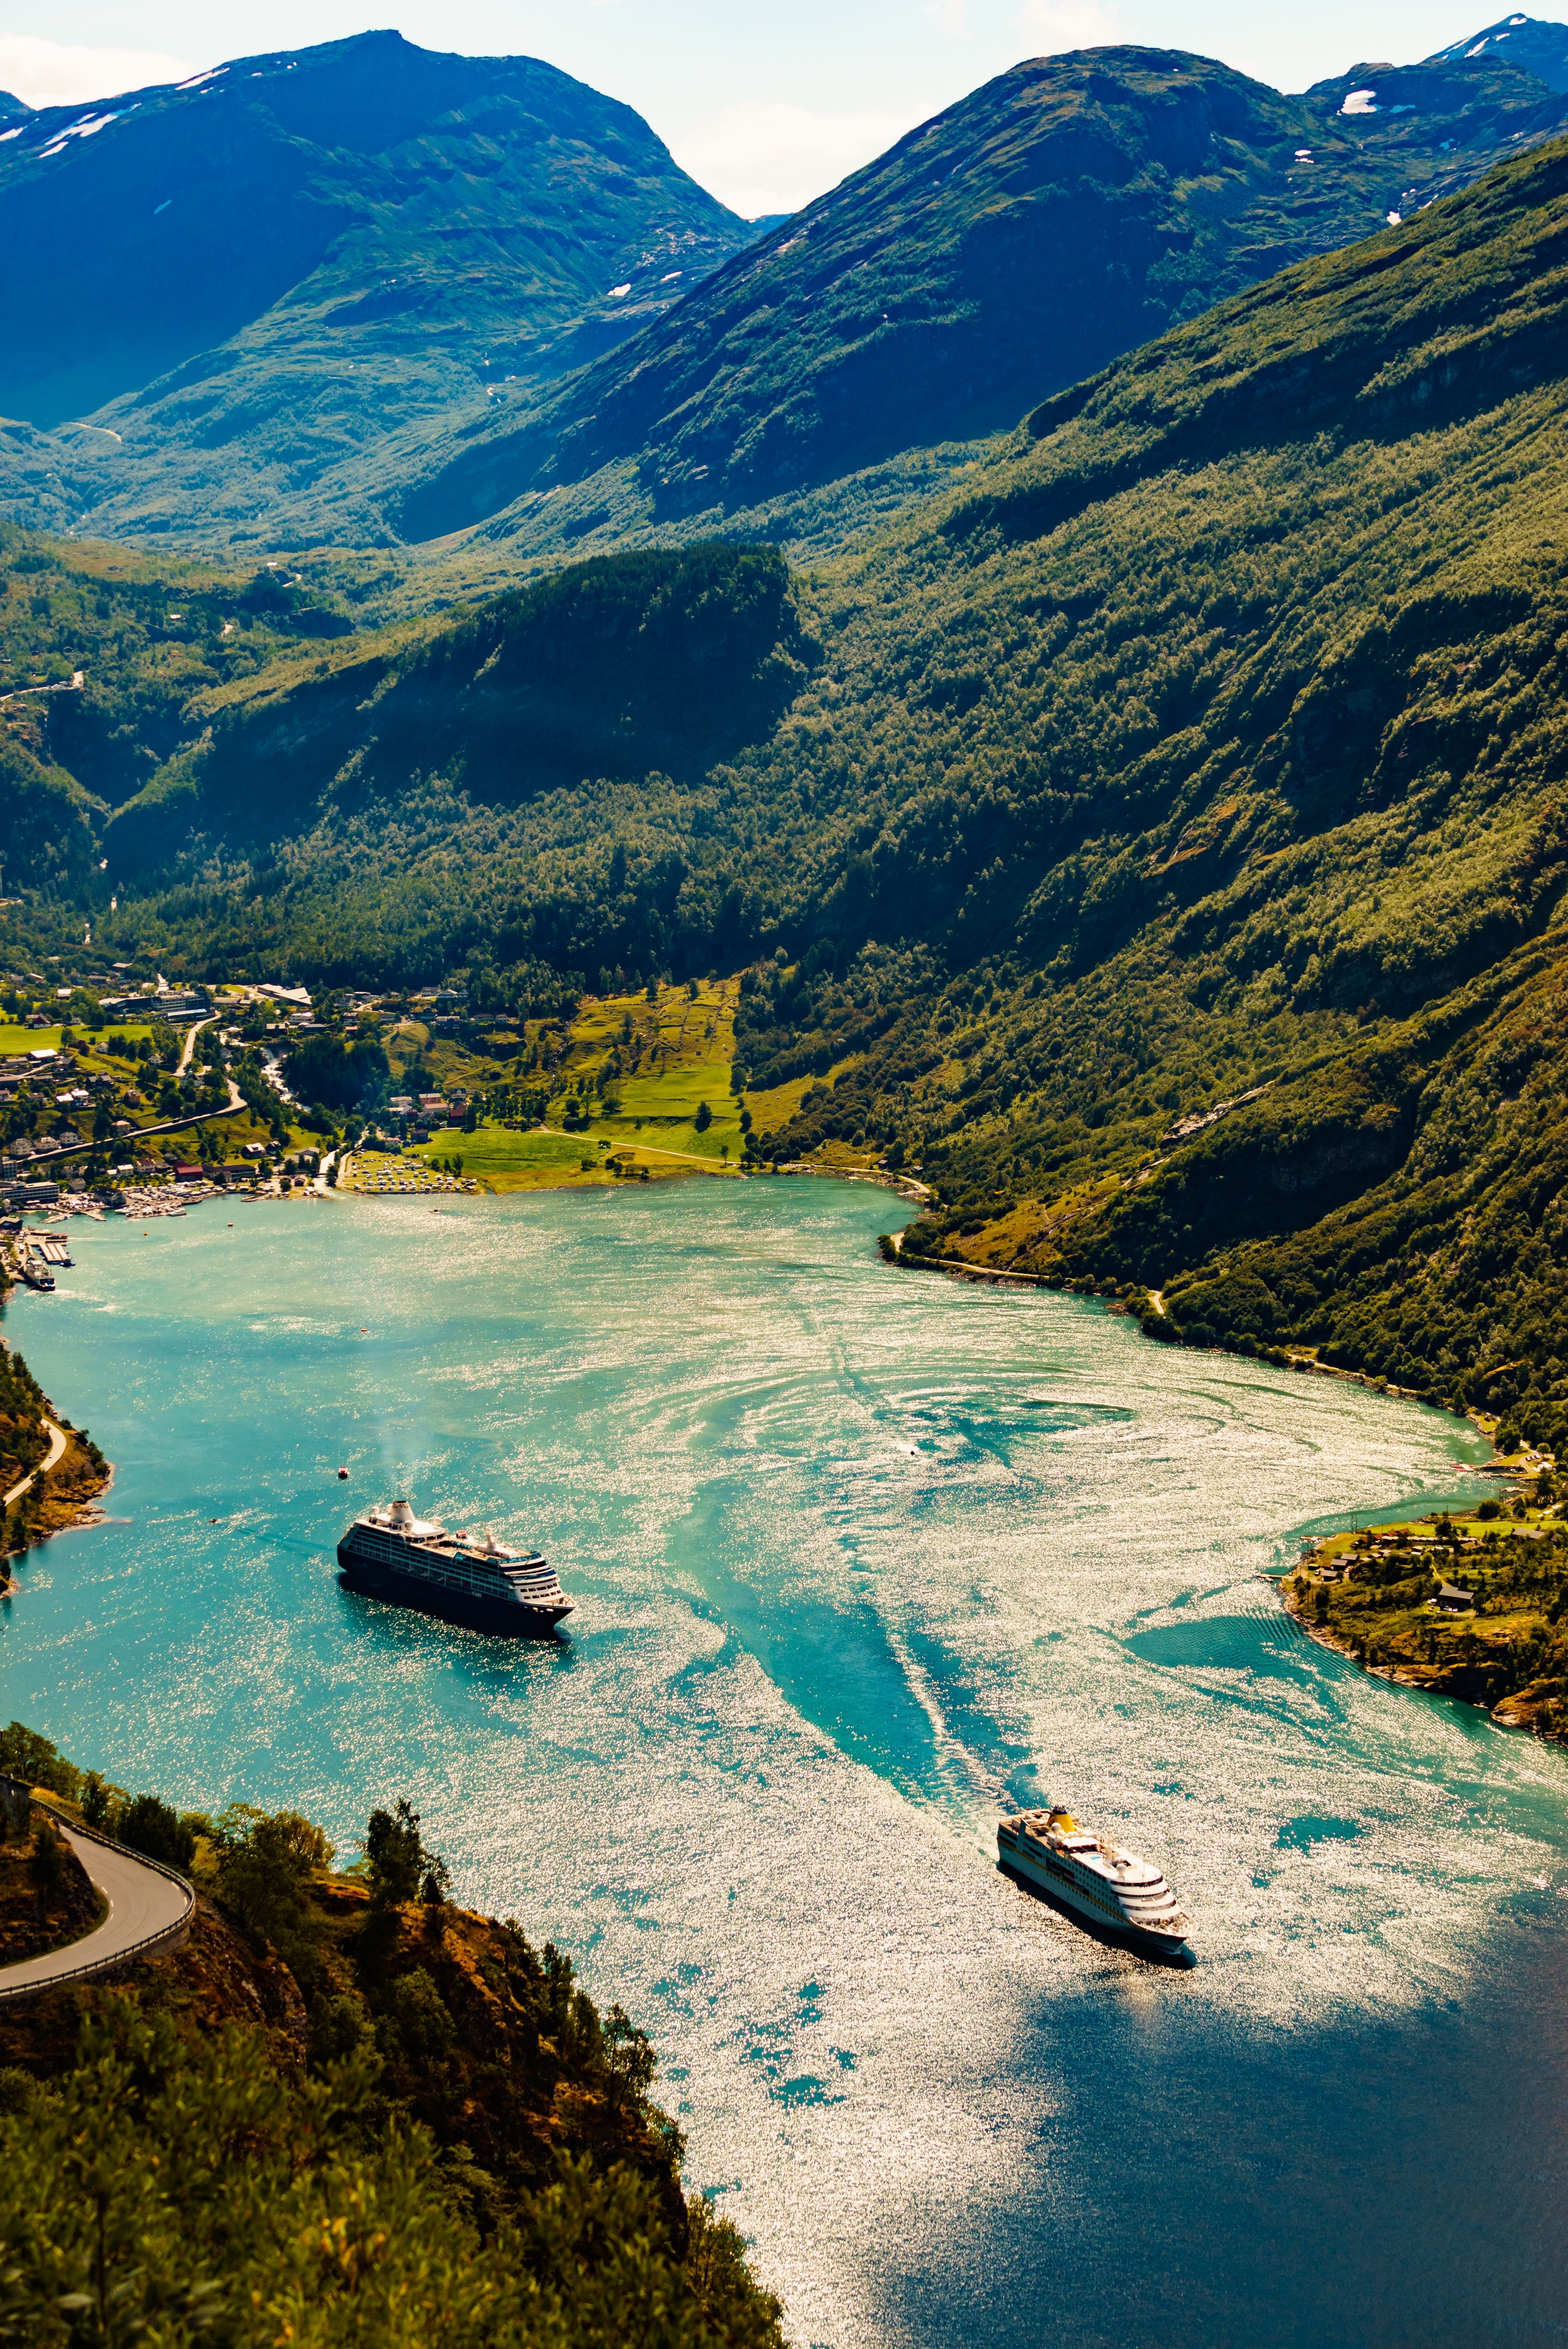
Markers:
point(861, 1559)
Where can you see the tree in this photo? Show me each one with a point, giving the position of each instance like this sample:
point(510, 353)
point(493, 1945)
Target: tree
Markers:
point(322, 1069)
point(96, 1799)
point(399, 1861)
point(159, 1833)
point(266, 1867)
point(704, 1117)
point(47, 1864)
point(25, 1754)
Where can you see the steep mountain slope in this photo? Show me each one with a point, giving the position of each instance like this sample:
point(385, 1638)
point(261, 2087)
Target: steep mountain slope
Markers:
point(1209, 736)
point(345, 2110)
point(1069, 209)
point(654, 664)
point(294, 255)
point(100, 654)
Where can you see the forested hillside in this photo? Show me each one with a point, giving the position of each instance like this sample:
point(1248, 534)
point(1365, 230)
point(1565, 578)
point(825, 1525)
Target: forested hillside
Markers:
point(1206, 737)
point(101, 651)
point(346, 2111)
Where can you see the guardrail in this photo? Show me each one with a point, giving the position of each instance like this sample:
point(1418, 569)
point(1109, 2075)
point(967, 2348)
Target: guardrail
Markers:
point(167, 1936)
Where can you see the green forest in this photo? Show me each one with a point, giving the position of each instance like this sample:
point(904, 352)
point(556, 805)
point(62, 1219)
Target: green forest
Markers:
point(347, 2111)
point(1201, 744)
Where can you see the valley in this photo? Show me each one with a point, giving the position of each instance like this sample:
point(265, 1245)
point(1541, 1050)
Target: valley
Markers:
point(533, 708)
point(1200, 738)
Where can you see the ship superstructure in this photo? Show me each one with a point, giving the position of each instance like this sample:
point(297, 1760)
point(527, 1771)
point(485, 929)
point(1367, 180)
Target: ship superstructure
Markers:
point(1085, 1873)
point(390, 1553)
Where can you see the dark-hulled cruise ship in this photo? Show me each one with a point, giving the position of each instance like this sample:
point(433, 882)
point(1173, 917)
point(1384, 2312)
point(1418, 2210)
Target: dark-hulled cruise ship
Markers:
point(390, 1554)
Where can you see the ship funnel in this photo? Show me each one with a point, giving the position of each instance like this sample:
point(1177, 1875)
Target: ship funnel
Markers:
point(400, 1514)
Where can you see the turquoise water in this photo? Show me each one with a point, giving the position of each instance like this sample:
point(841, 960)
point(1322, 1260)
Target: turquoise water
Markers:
point(859, 1557)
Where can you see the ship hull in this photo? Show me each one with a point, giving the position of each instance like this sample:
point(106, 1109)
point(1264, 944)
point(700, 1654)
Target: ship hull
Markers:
point(373, 1580)
point(1101, 1917)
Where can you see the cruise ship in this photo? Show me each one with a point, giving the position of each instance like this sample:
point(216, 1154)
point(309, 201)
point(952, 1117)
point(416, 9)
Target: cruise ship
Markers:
point(390, 1554)
point(1122, 1895)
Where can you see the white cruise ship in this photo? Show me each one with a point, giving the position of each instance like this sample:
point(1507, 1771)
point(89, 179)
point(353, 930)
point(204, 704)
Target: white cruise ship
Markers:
point(390, 1554)
point(1112, 1889)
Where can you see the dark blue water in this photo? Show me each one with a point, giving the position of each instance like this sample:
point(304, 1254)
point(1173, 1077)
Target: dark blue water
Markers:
point(859, 1557)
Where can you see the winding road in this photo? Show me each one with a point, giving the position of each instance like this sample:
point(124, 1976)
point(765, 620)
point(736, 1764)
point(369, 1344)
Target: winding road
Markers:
point(149, 1908)
point(55, 1450)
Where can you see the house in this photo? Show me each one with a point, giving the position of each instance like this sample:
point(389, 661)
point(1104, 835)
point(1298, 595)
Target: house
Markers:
point(1452, 1600)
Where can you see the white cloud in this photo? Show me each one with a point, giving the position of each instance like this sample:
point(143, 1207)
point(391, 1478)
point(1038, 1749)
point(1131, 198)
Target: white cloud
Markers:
point(46, 73)
point(1051, 26)
point(757, 158)
point(951, 15)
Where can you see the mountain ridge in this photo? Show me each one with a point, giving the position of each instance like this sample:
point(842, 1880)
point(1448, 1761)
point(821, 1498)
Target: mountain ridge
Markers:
point(294, 253)
point(1124, 188)
point(408, 388)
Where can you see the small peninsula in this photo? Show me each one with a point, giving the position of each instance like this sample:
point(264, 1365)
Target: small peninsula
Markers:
point(50, 1472)
point(1466, 1604)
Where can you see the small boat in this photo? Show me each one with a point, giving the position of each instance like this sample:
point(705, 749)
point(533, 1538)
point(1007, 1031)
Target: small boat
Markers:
point(1120, 1895)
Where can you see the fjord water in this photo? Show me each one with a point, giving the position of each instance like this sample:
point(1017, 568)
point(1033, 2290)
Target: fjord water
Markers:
point(860, 1557)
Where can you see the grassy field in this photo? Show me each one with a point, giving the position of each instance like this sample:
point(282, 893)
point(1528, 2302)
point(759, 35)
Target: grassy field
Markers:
point(504, 1161)
point(15, 1038)
point(538, 1161)
point(659, 1062)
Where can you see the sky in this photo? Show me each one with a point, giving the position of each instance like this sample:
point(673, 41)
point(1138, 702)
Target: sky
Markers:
point(765, 105)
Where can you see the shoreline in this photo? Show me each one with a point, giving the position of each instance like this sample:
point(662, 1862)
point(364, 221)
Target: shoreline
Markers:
point(1514, 1708)
point(960, 1268)
point(1548, 1734)
point(64, 1493)
point(1465, 1605)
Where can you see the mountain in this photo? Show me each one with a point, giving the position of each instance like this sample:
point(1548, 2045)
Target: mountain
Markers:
point(295, 259)
point(364, 294)
point(1159, 835)
point(1522, 41)
point(1072, 208)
